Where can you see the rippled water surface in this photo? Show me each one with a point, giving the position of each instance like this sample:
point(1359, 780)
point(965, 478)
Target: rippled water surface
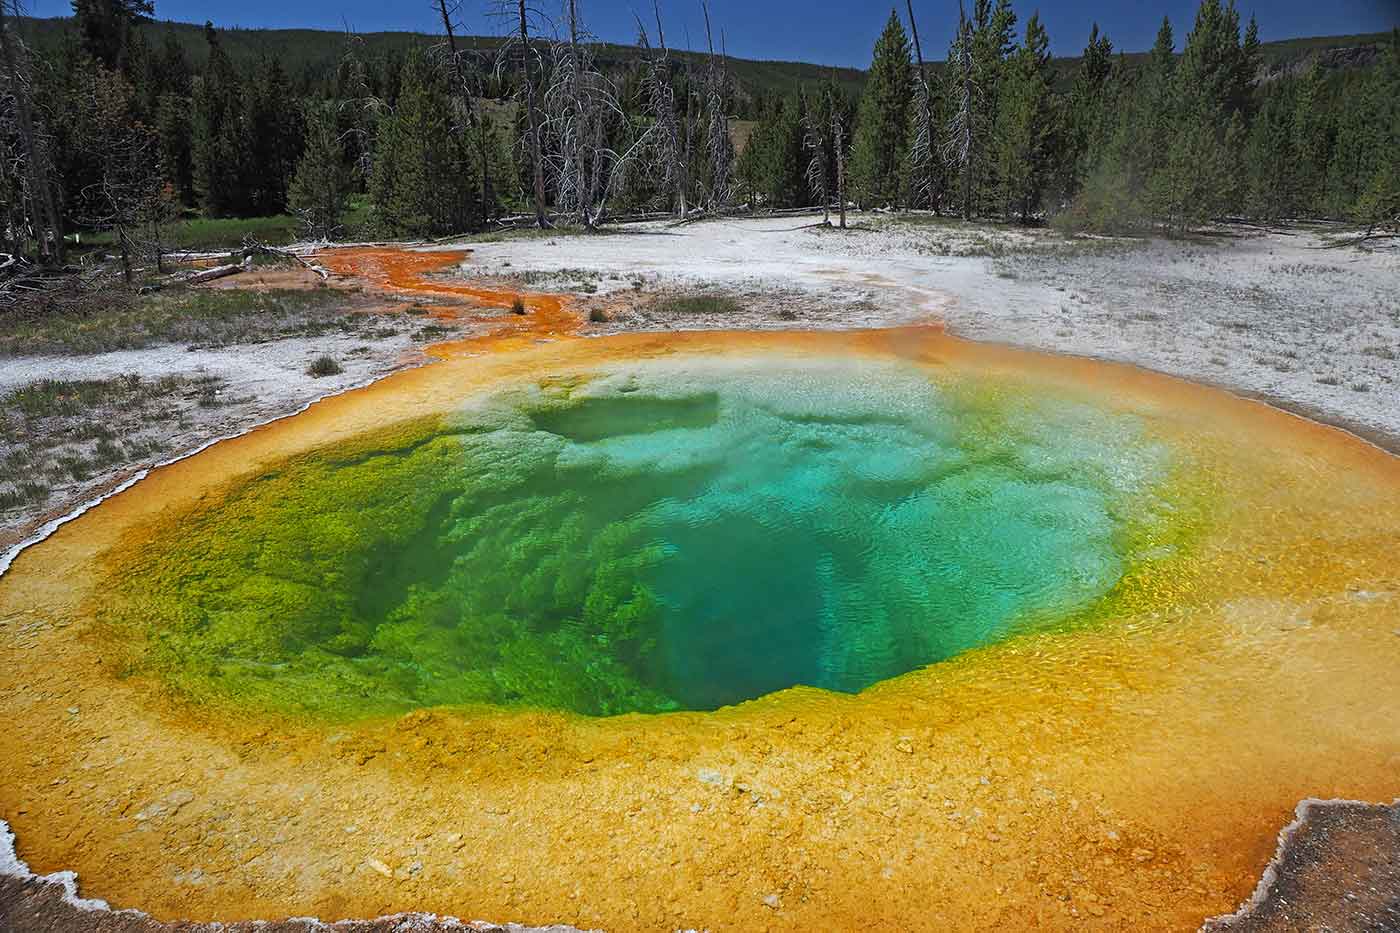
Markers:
point(656, 537)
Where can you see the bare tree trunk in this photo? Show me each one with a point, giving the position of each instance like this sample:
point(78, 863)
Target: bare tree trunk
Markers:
point(960, 150)
point(679, 152)
point(814, 137)
point(927, 114)
point(483, 149)
point(583, 182)
point(125, 243)
point(718, 146)
point(157, 247)
point(595, 184)
point(46, 219)
point(534, 118)
point(839, 136)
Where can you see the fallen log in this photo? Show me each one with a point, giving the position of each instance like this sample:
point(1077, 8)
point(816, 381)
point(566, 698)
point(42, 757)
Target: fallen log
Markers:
point(252, 245)
point(218, 272)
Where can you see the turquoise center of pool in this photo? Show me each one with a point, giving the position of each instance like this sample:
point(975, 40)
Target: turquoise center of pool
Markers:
point(663, 536)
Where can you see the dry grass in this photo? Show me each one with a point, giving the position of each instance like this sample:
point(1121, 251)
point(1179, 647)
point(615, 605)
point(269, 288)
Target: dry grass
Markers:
point(120, 320)
point(696, 305)
point(54, 431)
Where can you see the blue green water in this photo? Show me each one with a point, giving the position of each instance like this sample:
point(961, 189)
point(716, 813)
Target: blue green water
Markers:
point(678, 535)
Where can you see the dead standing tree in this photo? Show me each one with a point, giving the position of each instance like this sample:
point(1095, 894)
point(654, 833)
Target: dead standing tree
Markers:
point(719, 148)
point(959, 147)
point(609, 167)
point(359, 103)
point(838, 138)
point(520, 15)
point(14, 218)
point(30, 163)
point(578, 105)
point(126, 199)
point(659, 102)
point(815, 136)
point(824, 135)
point(923, 154)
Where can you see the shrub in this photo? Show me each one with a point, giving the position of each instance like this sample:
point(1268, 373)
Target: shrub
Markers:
point(324, 366)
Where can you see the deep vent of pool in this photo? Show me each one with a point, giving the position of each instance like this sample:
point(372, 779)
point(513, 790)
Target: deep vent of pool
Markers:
point(666, 536)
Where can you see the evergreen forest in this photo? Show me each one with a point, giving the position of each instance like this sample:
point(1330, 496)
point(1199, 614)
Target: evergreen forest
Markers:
point(115, 124)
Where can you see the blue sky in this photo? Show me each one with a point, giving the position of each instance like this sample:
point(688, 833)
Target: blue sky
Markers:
point(837, 32)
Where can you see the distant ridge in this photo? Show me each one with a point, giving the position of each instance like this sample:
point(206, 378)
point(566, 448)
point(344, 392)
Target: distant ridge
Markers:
point(317, 49)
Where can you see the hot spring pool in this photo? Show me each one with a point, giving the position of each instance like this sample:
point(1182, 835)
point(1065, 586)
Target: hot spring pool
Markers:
point(658, 537)
point(714, 631)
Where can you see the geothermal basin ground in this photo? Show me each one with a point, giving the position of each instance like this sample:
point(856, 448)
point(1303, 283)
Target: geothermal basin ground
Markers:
point(784, 607)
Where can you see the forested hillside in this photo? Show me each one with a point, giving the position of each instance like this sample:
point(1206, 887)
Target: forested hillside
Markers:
point(113, 122)
point(309, 56)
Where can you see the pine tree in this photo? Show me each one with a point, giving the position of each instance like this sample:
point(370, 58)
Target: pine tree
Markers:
point(1149, 125)
point(772, 165)
point(1233, 181)
point(1250, 61)
point(1311, 144)
point(882, 125)
point(423, 181)
point(122, 150)
point(173, 129)
point(1379, 203)
point(993, 42)
point(30, 207)
point(1025, 130)
point(1126, 153)
point(1269, 160)
point(274, 137)
point(320, 187)
point(1086, 111)
point(172, 68)
point(104, 28)
point(1198, 178)
point(219, 147)
point(1352, 160)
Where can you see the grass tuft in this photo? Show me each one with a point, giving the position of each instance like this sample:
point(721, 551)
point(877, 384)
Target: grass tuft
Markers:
point(107, 453)
point(691, 305)
point(76, 465)
point(517, 306)
point(28, 492)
